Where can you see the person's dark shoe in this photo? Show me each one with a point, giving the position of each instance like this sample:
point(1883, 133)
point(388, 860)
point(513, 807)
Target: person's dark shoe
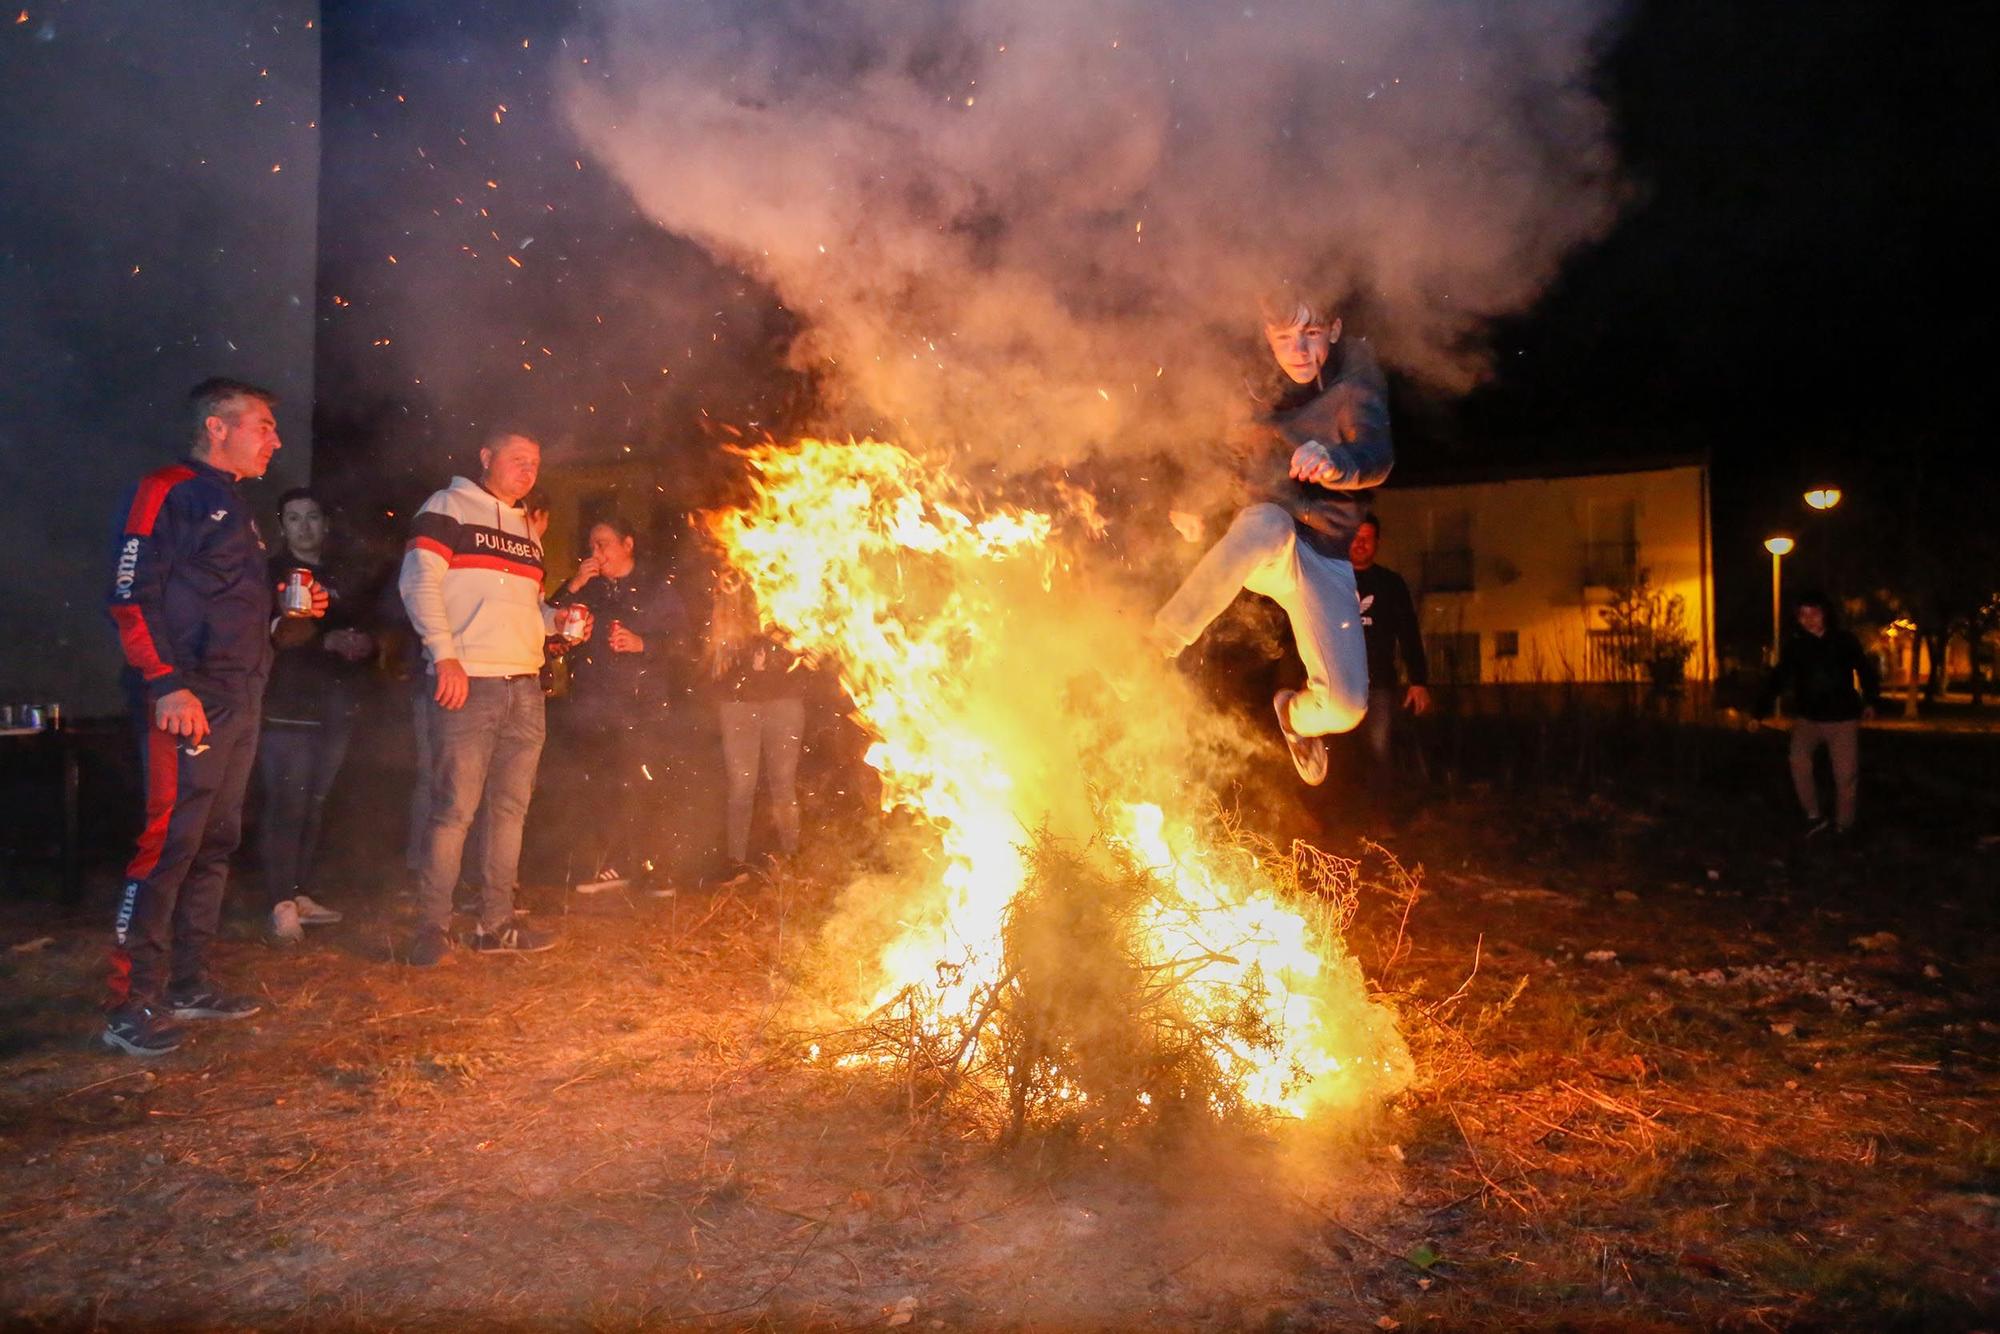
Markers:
point(512, 936)
point(1308, 752)
point(731, 875)
point(431, 947)
point(1815, 827)
point(210, 1003)
point(141, 1030)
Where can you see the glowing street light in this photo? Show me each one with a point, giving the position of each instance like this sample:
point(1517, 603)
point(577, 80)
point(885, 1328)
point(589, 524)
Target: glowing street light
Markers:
point(1780, 547)
point(1823, 498)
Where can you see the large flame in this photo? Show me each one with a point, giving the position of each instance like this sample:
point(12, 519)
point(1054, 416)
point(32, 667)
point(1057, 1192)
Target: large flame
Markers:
point(1004, 698)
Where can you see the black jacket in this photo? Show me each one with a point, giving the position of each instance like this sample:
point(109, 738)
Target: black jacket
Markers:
point(189, 590)
point(1389, 623)
point(309, 684)
point(1817, 674)
point(616, 689)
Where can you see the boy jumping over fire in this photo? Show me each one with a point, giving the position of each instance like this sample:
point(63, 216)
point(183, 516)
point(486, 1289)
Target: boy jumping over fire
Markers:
point(1322, 440)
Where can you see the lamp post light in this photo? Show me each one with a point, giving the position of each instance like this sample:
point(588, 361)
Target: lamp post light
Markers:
point(1780, 547)
point(1823, 497)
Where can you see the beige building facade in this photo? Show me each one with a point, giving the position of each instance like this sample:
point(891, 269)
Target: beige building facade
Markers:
point(1513, 574)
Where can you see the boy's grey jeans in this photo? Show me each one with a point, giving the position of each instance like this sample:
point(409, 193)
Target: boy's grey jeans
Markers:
point(1262, 552)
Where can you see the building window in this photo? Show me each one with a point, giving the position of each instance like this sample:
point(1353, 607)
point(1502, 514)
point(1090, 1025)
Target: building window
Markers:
point(1456, 657)
point(1611, 542)
point(1506, 643)
point(1447, 563)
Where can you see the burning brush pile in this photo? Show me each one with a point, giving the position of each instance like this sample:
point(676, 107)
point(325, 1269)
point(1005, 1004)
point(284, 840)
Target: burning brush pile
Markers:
point(1084, 940)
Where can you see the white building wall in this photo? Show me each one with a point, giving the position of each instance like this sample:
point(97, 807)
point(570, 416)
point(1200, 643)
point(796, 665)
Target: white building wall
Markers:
point(1531, 543)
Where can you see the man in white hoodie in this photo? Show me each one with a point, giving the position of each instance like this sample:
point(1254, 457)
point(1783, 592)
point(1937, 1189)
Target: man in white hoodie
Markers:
point(472, 584)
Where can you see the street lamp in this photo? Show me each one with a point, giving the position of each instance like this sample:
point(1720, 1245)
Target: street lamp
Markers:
point(1823, 497)
point(1780, 547)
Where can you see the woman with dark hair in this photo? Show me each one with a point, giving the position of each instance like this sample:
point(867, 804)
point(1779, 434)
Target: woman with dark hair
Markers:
point(308, 717)
point(762, 709)
point(610, 724)
point(1831, 686)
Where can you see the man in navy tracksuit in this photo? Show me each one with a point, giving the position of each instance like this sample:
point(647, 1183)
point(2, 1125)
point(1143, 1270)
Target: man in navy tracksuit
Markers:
point(193, 605)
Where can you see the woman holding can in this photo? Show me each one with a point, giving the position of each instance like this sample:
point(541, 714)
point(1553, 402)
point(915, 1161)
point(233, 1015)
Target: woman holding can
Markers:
point(309, 707)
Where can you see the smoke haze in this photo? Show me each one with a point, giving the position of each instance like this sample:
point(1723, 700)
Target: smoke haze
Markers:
point(1031, 228)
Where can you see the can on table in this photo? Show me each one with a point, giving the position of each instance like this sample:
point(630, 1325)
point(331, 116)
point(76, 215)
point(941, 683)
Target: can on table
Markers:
point(298, 599)
point(570, 621)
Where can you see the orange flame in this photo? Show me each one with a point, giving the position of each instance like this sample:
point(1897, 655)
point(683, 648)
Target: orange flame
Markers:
point(961, 633)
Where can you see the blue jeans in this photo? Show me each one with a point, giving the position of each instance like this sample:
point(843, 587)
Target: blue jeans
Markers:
point(762, 734)
point(297, 764)
point(486, 752)
point(1262, 552)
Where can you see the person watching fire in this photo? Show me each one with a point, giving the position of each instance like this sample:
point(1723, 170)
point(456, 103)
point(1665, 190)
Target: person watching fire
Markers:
point(1320, 441)
point(192, 602)
point(611, 722)
point(472, 585)
point(309, 707)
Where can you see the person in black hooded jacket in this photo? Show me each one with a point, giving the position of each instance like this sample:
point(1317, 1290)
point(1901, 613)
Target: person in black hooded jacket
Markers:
point(1830, 686)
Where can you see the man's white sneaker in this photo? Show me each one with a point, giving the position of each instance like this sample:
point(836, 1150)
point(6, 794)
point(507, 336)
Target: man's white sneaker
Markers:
point(284, 928)
point(1308, 752)
point(603, 880)
point(315, 914)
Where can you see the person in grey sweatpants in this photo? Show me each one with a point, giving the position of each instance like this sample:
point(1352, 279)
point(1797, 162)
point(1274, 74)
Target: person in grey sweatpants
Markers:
point(761, 705)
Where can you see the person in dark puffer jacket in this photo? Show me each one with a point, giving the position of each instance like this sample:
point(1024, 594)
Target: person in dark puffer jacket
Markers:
point(1831, 686)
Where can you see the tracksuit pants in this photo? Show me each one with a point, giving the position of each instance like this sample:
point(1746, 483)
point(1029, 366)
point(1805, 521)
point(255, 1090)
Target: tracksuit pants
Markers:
point(1262, 552)
point(172, 902)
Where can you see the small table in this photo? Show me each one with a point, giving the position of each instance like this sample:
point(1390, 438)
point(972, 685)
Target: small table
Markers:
point(68, 770)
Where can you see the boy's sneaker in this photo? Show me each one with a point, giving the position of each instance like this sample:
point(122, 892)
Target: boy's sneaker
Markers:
point(209, 1003)
point(141, 1030)
point(1816, 826)
point(1308, 752)
point(284, 927)
point(512, 936)
point(312, 913)
point(431, 947)
point(608, 878)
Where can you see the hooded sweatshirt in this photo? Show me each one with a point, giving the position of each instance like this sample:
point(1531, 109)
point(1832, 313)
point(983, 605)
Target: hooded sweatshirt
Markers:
point(472, 583)
point(1346, 409)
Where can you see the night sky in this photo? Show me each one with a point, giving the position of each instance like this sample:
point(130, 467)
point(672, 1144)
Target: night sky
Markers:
point(1787, 285)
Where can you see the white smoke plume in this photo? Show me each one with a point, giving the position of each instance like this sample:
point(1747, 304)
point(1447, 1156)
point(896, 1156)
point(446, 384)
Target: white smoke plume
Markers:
point(1032, 228)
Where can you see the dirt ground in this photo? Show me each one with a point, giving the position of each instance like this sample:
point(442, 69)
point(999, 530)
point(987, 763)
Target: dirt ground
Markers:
point(1674, 1070)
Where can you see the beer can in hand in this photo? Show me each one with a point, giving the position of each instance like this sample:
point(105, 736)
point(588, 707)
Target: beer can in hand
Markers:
point(298, 593)
point(570, 621)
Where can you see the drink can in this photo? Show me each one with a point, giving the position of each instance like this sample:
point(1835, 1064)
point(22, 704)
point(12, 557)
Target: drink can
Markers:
point(298, 593)
point(570, 622)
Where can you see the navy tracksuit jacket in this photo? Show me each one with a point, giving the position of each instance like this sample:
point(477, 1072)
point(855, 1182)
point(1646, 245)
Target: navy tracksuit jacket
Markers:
point(193, 604)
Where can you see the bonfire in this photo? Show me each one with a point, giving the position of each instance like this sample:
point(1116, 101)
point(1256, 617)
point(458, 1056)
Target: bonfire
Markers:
point(1088, 935)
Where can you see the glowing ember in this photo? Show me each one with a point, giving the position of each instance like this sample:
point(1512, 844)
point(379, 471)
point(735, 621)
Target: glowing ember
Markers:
point(1006, 696)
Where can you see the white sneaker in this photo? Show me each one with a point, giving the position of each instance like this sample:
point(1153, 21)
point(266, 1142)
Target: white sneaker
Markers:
point(315, 914)
point(1308, 752)
point(608, 878)
point(284, 928)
